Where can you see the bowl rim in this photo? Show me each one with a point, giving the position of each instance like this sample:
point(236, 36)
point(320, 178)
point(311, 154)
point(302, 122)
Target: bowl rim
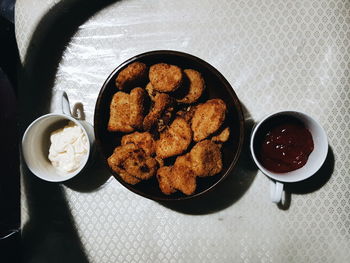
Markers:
point(225, 85)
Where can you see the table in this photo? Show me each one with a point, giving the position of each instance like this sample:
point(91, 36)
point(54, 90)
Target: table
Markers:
point(276, 54)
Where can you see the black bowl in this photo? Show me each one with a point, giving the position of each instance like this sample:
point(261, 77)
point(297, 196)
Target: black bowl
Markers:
point(216, 87)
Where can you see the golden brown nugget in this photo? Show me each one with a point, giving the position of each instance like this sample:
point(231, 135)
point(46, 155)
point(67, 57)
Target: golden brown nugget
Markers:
point(187, 114)
point(184, 161)
point(175, 140)
point(131, 160)
point(137, 99)
point(151, 91)
point(206, 158)
point(207, 118)
point(119, 117)
point(196, 86)
point(143, 140)
point(222, 137)
point(183, 179)
point(164, 180)
point(114, 163)
point(131, 75)
point(162, 102)
point(140, 165)
point(160, 161)
point(165, 77)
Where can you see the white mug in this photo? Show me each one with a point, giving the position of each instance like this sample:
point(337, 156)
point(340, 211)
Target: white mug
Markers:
point(36, 143)
point(313, 164)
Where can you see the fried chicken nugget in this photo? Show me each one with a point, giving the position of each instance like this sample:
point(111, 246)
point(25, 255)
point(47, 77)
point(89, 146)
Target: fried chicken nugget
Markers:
point(207, 118)
point(162, 102)
point(187, 114)
point(175, 140)
point(142, 140)
point(222, 137)
point(133, 74)
point(196, 86)
point(151, 91)
point(136, 101)
point(164, 180)
point(115, 160)
point(183, 179)
point(206, 158)
point(119, 118)
point(132, 161)
point(165, 77)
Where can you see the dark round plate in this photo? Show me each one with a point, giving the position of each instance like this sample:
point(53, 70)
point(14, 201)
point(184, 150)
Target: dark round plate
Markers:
point(216, 87)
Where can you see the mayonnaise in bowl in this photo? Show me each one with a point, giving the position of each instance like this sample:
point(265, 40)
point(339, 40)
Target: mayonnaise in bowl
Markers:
point(68, 149)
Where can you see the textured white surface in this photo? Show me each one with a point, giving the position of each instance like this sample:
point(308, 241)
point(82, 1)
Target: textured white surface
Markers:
point(277, 55)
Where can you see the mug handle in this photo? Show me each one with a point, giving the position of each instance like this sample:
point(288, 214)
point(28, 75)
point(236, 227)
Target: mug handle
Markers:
point(276, 192)
point(65, 106)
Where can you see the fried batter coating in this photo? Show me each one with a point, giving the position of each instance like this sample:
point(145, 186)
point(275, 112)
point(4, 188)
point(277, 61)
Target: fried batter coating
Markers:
point(119, 118)
point(137, 99)
point(187, 114)
point(140, 165)
point(196, 86)
point(133, 74)
point(160, 161)
point(151, 91)
point(207, 118)
point(165, 77)
point(222, 137)
point(162, 102)
point(142, 140)
point(131, 160)
point(164, 180)
point(175, 140)
point(183, 179)
point(206, 158)
point(114, 163)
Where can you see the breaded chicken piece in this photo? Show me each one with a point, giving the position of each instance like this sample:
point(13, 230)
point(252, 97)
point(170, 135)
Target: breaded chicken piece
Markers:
point(222, 137)
point(160, 161)
point(164, 180)
point(179, 177)
point(137, 99)
point(187, 114)
point(162, 102)
point(165, 77)
point(175, 140)
point(133, 75)
point(141, 165)
point(114, 163)
point(206, 158)
point(142, 140)
point(207, 118)
point(151, 91)
point(196, 86)
point(131, 160)
point(119, 118)
point(184, 161)
point(183, 179)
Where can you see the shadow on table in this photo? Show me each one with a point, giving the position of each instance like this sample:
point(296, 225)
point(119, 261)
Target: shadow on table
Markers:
point(311, 184)
point(92, 178)
point(228, 191)
point(50, 235)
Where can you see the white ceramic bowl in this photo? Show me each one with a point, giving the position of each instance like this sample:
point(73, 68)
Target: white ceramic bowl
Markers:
point(315, 160)
point(36, 143)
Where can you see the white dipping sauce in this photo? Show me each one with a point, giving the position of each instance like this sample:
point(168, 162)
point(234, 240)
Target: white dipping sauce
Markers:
point(69, 147)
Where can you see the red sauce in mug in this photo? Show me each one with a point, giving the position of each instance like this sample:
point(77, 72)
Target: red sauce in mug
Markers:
point(285, 147)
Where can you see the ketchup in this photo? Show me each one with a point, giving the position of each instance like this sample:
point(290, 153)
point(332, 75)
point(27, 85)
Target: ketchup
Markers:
point(285, 145)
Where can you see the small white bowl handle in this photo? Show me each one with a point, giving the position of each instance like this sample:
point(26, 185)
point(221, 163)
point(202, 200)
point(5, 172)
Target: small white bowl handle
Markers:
point(276, 192)
point(65, 107)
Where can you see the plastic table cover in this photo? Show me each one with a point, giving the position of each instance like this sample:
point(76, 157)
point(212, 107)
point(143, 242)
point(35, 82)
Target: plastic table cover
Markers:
point(283, 54)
